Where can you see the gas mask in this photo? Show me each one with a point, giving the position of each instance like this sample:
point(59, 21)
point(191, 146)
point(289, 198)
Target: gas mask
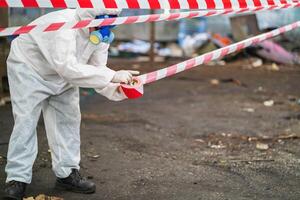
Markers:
point(103, 33)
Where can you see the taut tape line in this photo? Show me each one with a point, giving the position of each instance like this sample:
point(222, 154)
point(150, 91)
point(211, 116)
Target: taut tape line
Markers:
point(214, 55)
point(144, 4)
point(40, 28)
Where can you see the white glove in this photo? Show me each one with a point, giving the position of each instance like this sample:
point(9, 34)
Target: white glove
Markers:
point(124, 76)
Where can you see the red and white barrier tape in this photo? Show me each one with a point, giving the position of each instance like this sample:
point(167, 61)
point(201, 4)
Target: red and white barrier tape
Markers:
point(144, 4)
point(214, 55)
point(40, 28)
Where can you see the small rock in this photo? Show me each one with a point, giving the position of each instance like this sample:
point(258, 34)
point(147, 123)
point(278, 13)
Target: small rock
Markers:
point(29, 198)
point(199, 140)
point(257, 63)
point(219, 146)
point(250, 110)
point(221, 63)
point(269, 103)
point(262, 146)
point(215, 82)
point(275, 67)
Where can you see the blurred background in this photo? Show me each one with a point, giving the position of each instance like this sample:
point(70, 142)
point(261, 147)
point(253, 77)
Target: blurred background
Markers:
point(229, 129)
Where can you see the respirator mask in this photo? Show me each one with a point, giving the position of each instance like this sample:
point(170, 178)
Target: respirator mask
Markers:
point(103, 33)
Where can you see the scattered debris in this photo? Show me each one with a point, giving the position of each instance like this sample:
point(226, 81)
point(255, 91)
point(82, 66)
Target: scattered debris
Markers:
point(216, 62)
point(135, 46)
point(5, 101)
point(274, 67)
point(199, 140)
point(95, 156)
point(269, 103)
point(219, 145)
point(257, 63)
point(288, 136)
point(272, 51)
point(250, 110)
point(235, 81)
point(221, 41)
point(215, 82)
point(262, 146)
point(192, 43)
point(43, 197)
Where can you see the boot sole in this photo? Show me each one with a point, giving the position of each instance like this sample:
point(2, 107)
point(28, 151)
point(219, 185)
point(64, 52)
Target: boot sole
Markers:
point(67, 187)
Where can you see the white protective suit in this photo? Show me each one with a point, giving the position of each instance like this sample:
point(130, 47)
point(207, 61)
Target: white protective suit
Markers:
point(45, 71)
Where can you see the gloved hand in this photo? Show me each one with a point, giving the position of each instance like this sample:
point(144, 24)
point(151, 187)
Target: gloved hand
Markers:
point(124, 76)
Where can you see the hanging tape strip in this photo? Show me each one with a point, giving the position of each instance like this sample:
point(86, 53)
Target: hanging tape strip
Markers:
point(40, 28)
point(136, 90)
point(214, 55)
point(144, 4)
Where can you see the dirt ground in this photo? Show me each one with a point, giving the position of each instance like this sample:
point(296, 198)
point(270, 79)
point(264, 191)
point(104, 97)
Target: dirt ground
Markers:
point(186, 139)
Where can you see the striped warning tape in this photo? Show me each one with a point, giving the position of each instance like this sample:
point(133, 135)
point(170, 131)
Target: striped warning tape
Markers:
point(40, 28)
point(214, 55)
point(144, 4)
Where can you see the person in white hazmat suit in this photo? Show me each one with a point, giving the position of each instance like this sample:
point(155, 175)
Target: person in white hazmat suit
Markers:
point(45, 72)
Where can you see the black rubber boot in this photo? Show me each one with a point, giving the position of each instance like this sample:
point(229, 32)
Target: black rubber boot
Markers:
point(75, 183)
point(15, 190)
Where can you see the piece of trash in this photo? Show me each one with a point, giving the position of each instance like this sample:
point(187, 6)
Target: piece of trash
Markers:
point(199, 140)
point(272, 51)
point(191, 43)
point(235, 81)
point(262, 146)
point(250, 110)
point(221, 62)
point(49, 150)
point(257, 63)
point(260, 89)
point(96, 156)
point(274, 67)
point(250, 139)
point(135, 46)
point(269, 103)
point(44, 197)
point(221, 41)
point(288, 136)
point(29, 198)
point(219, 146)
point(215, 82)
point(4, 101)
